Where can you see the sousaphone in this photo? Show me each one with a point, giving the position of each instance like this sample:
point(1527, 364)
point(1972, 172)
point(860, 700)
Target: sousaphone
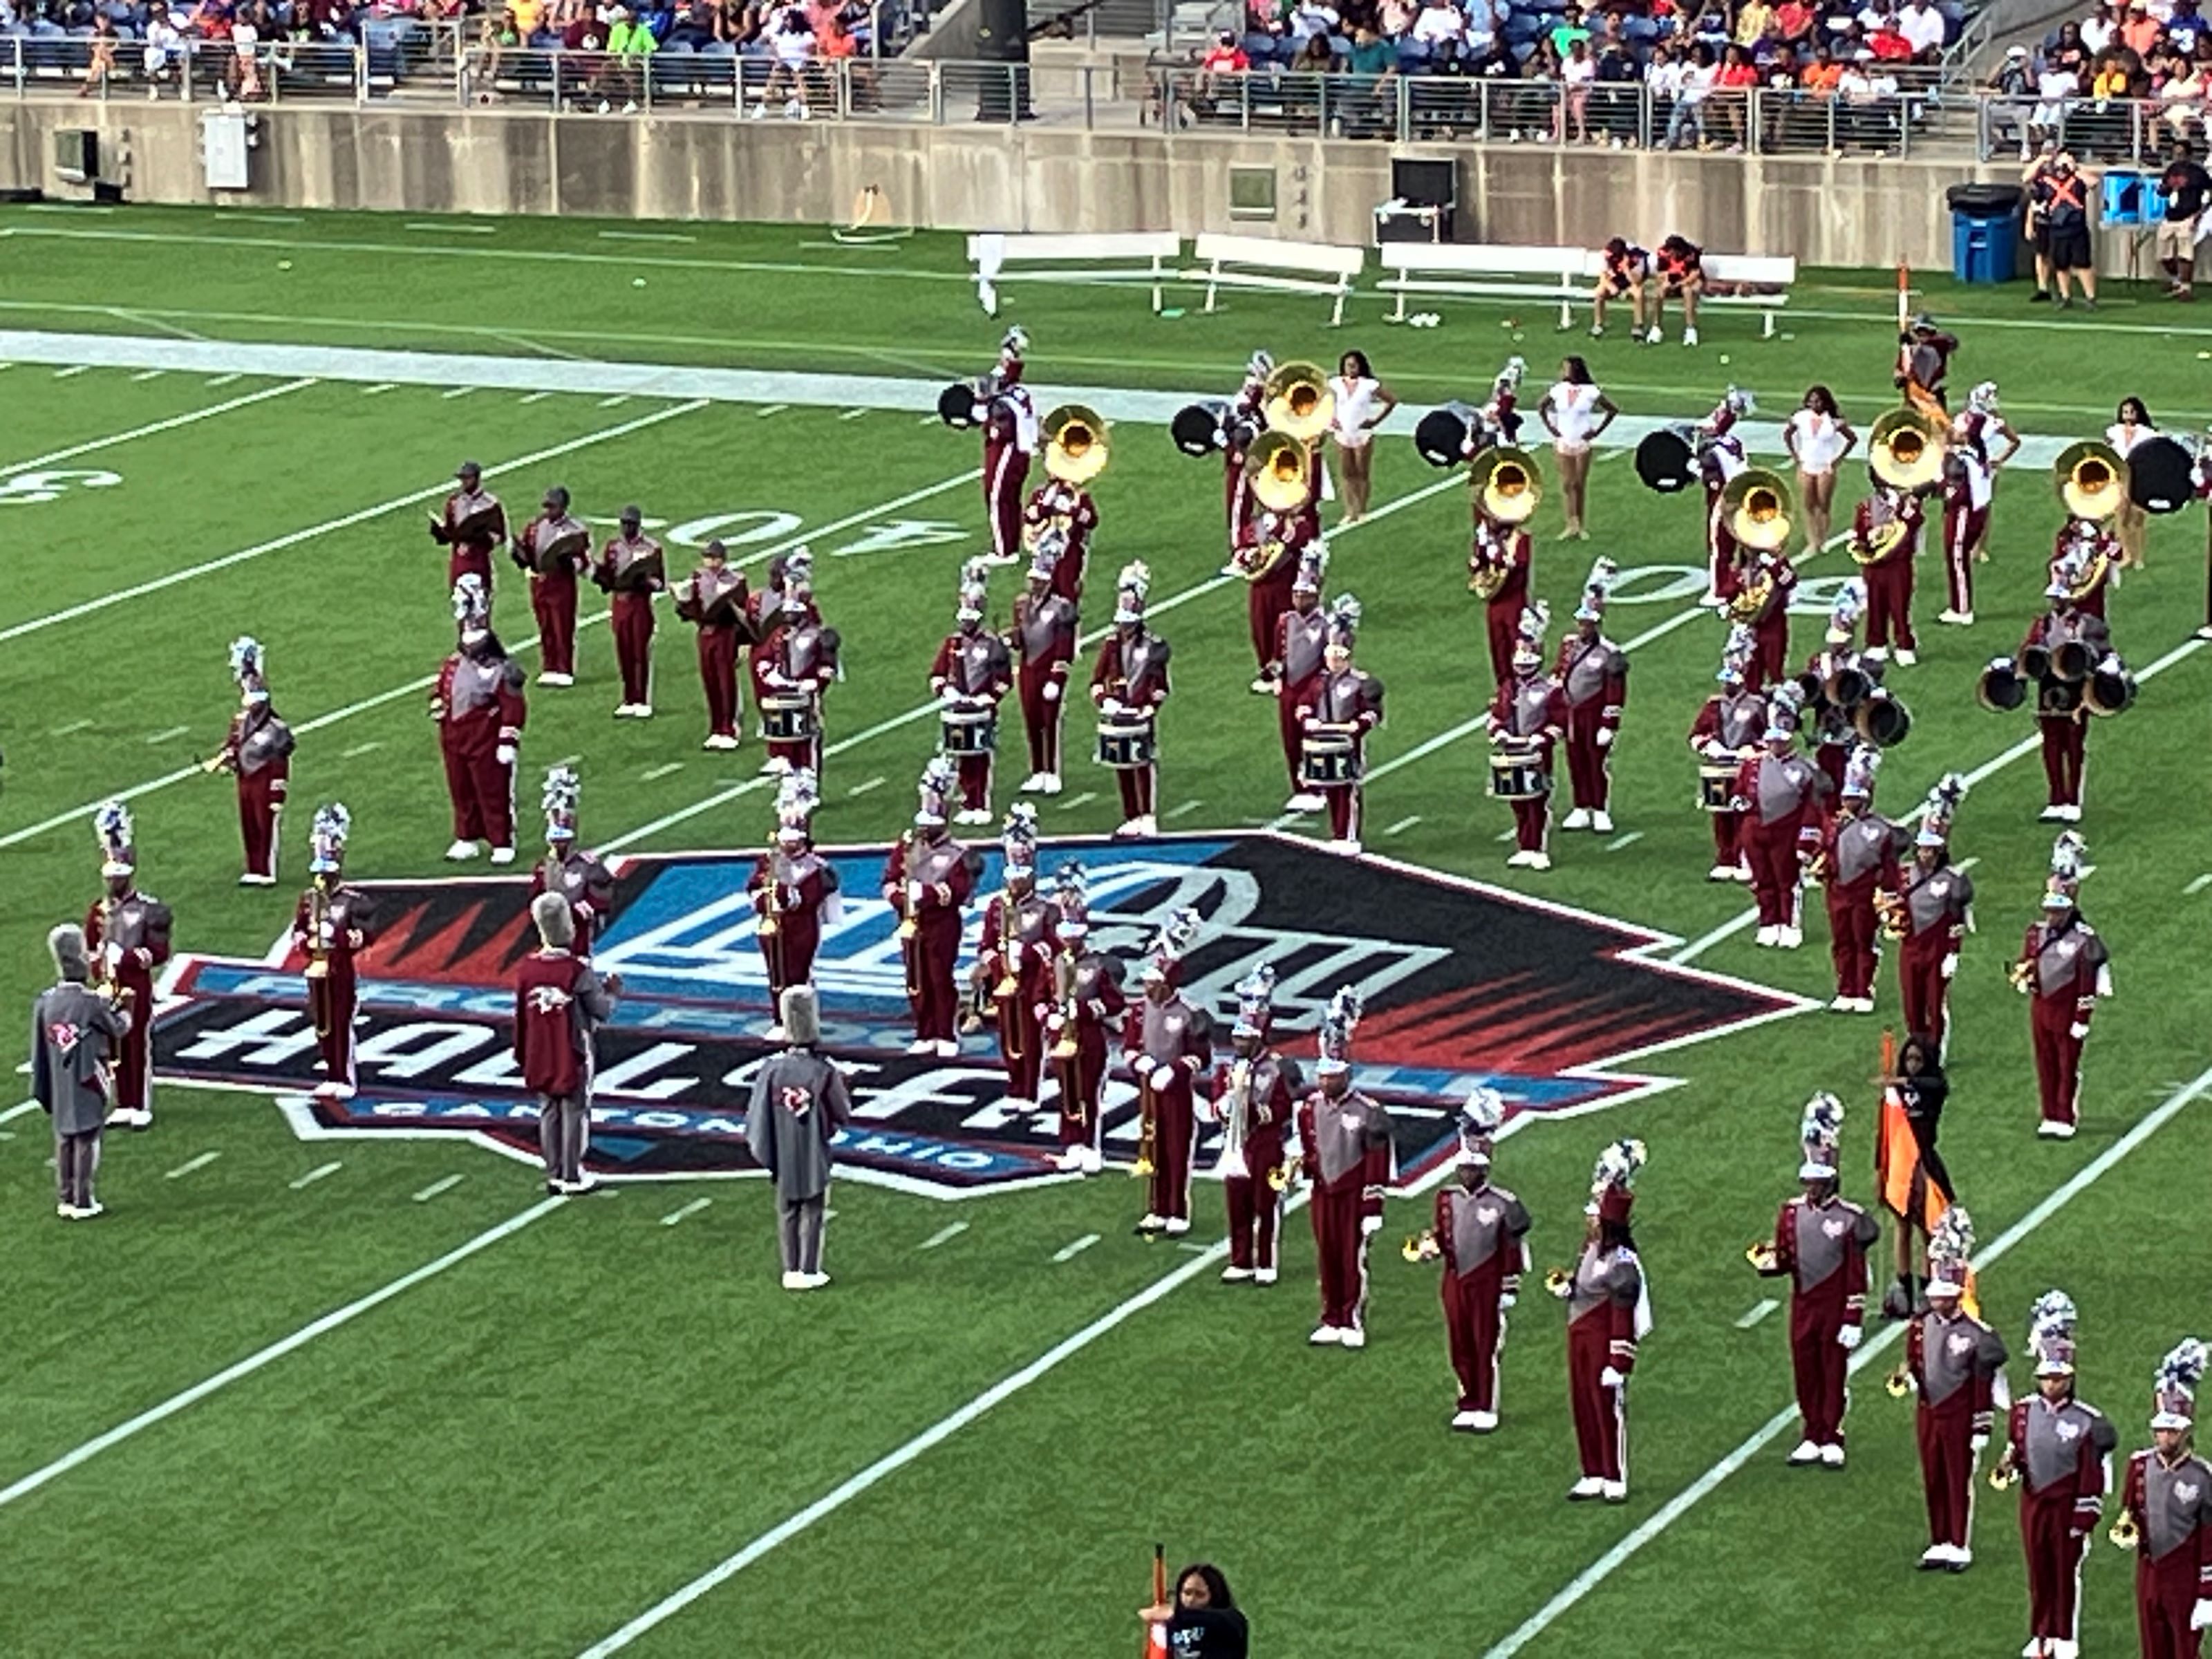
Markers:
point(1906, 450)
point(2092, 479)
point(1296, 401)
point(1507, 486)
point(2160, 475)
point(1755, 506)
point(1075, 447)
point(2111, 689)
point(1881, 719)
point(1276, 464)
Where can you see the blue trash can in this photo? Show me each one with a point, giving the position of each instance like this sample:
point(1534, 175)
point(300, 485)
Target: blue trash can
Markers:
point(1983, 245)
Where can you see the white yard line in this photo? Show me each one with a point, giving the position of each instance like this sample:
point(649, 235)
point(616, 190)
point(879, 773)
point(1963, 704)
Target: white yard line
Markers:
point(72, 372)
point(1069, 1251)
point(1628, 840)
point(2199, 885)
point(22, 1110)
point(451, 393)
point(1185, 810)
point(380, 388)
point(944, 1235)
point(73, 727)
point(852, 415)
point(192, 1164)
point(360, 749)
point(644, 236)
point(615, 402)
point(865, 785)
point(316, 1174)
point(443, 1184)
point(1673, 1510)
point(145, 374)
point(1075, 801)
point(691, 1209)
point(778, 408)
point(156, 739)
point(268, 1356)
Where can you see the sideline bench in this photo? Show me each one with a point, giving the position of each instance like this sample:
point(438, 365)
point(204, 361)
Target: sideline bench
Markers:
point(1262, 261)
point(1118, 257)
point(1771, 273)
point(1484, 272)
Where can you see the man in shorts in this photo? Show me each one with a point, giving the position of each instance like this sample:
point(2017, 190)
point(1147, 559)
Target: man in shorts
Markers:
point(2066, 192)
point(2183, 188)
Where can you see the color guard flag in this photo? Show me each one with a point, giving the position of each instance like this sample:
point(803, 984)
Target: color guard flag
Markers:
point(1156, 1636)
point(1905, 1189)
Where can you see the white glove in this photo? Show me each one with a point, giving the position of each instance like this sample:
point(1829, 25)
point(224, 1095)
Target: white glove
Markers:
point(2077, 1031)
point(2200, 1618)
point(1110, 705)
point(1605, 737)
point(1610, 1378)
point(1981, 1443)
point(1950, 964)
point(504, 754)
point(913, 891)
point(946, 694)
point(1508, 1300)
point(1850, 1336)
point(1143, 1065)
point(1051, 693)
point(1370, 1225)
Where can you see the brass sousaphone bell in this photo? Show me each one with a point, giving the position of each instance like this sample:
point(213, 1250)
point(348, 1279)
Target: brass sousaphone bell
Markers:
point(1755, 506)
point(1296, 400)
point(2111, 689)
point(1906, 450)
point(1507, 486)
point(2092, 479)
point(1075, 447)
point(2002, 687)
point(1276, 464)
point(1881, 719)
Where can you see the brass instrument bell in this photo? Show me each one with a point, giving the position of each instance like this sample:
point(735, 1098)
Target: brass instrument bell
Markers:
point(2092, 479)
point(1276, 465)
point(1760, 1253)
point(2071, 661)
point(1898, 1383)
point(2111, 689)
point(1298, 402)
point(2003, 1476)
point(1557, 1279)
point(1755, 506)
point(2035, 662)
point(2001, 688)
point(2125, 1534)
point(1906, 450)
point(1881, 719)
point(1075, 444)
point(1506, 483)
point(1847, 687)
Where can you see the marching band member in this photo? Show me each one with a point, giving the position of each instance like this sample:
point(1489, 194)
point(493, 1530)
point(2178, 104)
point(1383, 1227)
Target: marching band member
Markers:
point(1778, 792)
point(972, 672)
point(1243, 423)
point(1817, 438)
point(1170, 1045)
point(1348, 1157)
point(1129, 685)
point(127, 932)
point(2131, 425)
point(1885, 541)
point(567, 869)
point(794, 676)
point(1820, 1245)
point(1068, 513)
point(1955, 1364)
point(1593, 673)
point(2061, 713)
point(1362, 402)
point(1301, 648)
point(926, 882)
point(2201, 476)
point(1720, 457)
point(472, 523)
point(1627, 272)
point(716, 601)
point(764, 611)
point(794, 893)
point(1343, 705)
point(1861, 876)
point(1764, 595)
point(1528, 718)
point(1969, 487)
point(2063, 967)
point(1497, 569)
point(2166, 1515)
point(2060, 1451)
point(630, 569)
point(480, 713)
point(258, 749)
point(1576, 413)
point(77, 1039)
point(333, 924)
point(1480, 1235)
point(801, 1100)
point(2083, 556)
point(1681, 274)
point(1499, 419)
point(1609, 1315)
point(1084, 1025)
point(1838, 665)
point(1938, 914)
point(560, 1003)
point(1924, 359)
point(1727, 733)
point(1015, 957)
point(554, 548)
point(1285, 535)
point(1255, 1095)
point(1008, 416)
point(1042, 640)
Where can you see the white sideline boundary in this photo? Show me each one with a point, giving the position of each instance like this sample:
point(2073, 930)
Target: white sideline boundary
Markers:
point(190, 418)
point(1679, 1505)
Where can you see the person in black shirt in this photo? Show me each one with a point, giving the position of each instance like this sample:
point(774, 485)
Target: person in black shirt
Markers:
point(1203, 1621)
point(1920, 1084)
point(2182, 190)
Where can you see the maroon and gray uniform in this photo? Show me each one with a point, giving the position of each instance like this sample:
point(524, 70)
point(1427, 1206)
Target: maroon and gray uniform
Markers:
point(334, 937)
point(480, 713)
point(472, 523)
point(928, 879)
point(2063, 1453)
point(1269, 601)
point(1170, 1047)
point(588, 886)
point(1301, 637)
point(1593, 673)
point(1020, 942)
point(974, 665)
point(1070, 510)
point(1781, 795)
point(559, 1001)
point(1770, 628)
point(1605, 1303)
point(1955, 1361)
point(2061, 720)
point(1527, 717)
point(1937, 906)
point(800, 660)
point(1009, 420)
point(631, 573)
point(1350, 702)
point(1834, 736)
point(260, 750)
point(1861, 854)
point(1132, 670)
point(2104, 554)
point(718, 606)
point(1255, 1100)
point(2172, 1503)
point(1482, 1232)
point(1349, 1158)
point(2070, 967)
point(1889, 577)
point(1728, 729)
point(795, 887)
point(127, 940)
point(1044, 633)
point(553, 585)
point(1822, 1248)
point(1099, 1004)
point(1501, 550)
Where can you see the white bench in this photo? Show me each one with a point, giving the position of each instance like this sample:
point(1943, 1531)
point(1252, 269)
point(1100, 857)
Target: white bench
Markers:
point(1262, 261)
point(1484, 272)
point(1110, 258)
point(1765, 271)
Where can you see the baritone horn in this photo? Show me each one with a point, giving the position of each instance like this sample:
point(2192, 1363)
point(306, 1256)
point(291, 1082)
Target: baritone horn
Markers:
point(1276, 465)
point(1296, 400)
point(2092, 479)
point(1506, 483)
point(1906, 450)
point(1075, 447)
point(1755, 506)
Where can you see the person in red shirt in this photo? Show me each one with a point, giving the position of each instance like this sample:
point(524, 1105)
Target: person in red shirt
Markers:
point(559, 1003)
point(1225, 56)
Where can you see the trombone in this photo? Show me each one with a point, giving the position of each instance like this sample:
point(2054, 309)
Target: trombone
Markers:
point(1421, 1247)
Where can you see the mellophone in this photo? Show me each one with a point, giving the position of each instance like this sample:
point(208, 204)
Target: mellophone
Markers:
point(1518, 775)
point(1329, 758)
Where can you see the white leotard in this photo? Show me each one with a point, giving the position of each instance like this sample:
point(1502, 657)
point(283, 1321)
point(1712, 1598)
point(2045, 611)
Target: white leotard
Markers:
point(1355, 406)
point(1820, 442)
point(1574, 411)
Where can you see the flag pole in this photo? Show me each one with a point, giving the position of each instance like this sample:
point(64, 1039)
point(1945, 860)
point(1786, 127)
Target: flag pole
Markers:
point(1156, 1636)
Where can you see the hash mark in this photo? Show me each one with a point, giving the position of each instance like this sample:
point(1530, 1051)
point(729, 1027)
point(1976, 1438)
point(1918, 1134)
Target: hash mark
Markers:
point(863, 788)
point(222, 379)
point(380, 389)
point(644, 236)
point(535, 396)
point(360, 749)
point(2200, 884)
point(192, 1164)
point(315, 1175)
point(451, 393)
point(1505, 836)
point(169, 736)
point(1619, 841)
point(778, 408)
point(614, 402)
point(468, 230)
point(662, 771)
point(72, 372)
point(1187, 808)
point(73, 727)
point(1403, 825)
point(150, 374)
point(445, 1184)
point(852, 414)
point(692, 1208)
point(1075, 801)
point(944, 1235)
point(1757, 1314)
point(1069, 1252)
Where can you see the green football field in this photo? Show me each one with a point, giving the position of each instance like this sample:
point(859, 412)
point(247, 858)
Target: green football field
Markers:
point(378, 1397)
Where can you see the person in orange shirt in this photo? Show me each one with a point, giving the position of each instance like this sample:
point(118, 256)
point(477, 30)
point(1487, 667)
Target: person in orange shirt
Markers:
point(2141, 33)
point(1819, 77)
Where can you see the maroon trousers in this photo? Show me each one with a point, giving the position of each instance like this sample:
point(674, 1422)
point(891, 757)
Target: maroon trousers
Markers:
point(1601, 1413)
point(1347, 809)
point(718, 676)
point(1041, 714)
point(2057, 1057)
point(1963, 528)
point(1770, 665)
point(2065, 741)
point(134, 1065)
point(1265, 607)
point(1819, 1366)
point(553, 602)
point(1532, 821)
point(1021, 1044)
point(1772, 850)
point(1288, 700)
point(261, 801)
point(2057, 1544)
point(1924, 994)
point(1728, 837)
point(1834, 759)
point(930, 990)
point(788, 954)
point(1341, 1254)
point(1502, 617)
point(483, 794)
point(1851, 932)
point(1006, 470)
point(1255, 1208)
point(1474, 1333)
point(1588, 774)
point(1889, 603)
point(1139, 787)
point(975, 781)
point(1175, 1134)
point(1080, 1076)
point(1946, 1434)
point(2166, 1597)
point(331, 1001)
point(469, 559)
point(632, 616)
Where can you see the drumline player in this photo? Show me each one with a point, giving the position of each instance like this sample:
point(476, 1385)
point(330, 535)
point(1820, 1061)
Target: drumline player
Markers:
point(973, 671)
point(1129, 685)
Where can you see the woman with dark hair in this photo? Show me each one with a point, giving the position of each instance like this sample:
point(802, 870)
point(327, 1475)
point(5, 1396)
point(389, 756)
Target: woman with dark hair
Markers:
point(1575, 412)
point(1203, 1620)
point(1362, 402)
point(1919, 1089)
point(1818, 437)
point(2131, 425)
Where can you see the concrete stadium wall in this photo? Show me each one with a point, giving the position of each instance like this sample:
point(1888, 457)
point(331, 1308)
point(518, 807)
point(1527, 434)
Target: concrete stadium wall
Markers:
point(1827, 211)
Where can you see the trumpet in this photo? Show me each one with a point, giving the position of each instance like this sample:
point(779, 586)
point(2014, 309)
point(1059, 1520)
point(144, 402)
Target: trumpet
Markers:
point(2022, 975)
point(1760, 1253)
point(771, 921)
point(1890, 907)
point(1421, 1247)
point(1898, 1383)
point(2125, 1534)
point(1063, 986)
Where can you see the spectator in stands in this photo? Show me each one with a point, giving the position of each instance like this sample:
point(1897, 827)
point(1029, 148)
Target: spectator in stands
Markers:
point(1569, 29)
point(1439, 36)
point(1617, 73)
point(1731, 97)
point(1267, 38)
point(2054, 90)
point(2181, 97)
point(1694, 87)
point(2009, 103)
point(1751, 19)
point(2101, 28)
point(1923, 29)
point(1311, 18)
point(790, 43)
point(2183, 188)
point(2063, 190)
point(2141, 31)
point(166, 53)
point(2069, 52)
point(1314, 57)
point(1577, 73)
point(1795, 21)
point(1225, 56)
point(99, 61)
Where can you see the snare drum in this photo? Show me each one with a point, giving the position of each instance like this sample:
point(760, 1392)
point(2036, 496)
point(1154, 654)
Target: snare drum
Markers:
point(1517, 777)
point(1328, 762)
point(968, 730)
point(1125, 745)
point(1716, 786)
point(789, 717)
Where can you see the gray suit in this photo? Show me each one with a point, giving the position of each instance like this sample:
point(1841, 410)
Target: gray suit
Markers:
point(799, 1101)
point(76, 1035)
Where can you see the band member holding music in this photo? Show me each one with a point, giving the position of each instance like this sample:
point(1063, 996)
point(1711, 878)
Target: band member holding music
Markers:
point(1341, 706)
point(1301, 649)
point(971, 673)
point(926, 882)
point(78, 1035)
point(1075, 452)
point(2062, 647)
point(2084, 553)
point(1008, 416)
point(555, 547)
point(1255, 1095)
point(560, 1003)
point(1955, 1364)
point(2063, 969)
point(795, 892)
point(1169, 1041)
point(1780, 793)
point(793, 676)
point(1938, 914)
point(2059, 1450)
point(1480, 1234)
point(472, 523)
point(258, 752)
point(1608, 1316)
point(2166, 1515)
point(1837, 679)
point(801, 1100)
point(1084, 1025)
point(127, 932)
point(480, 713)
point(1885, 541)
point(1575, 412)
point(1347, 1154)
point(1720, 459)
point(1593, 673)
point(1043, 640)
point(715, 599)
point(1817, 438)
point(2131, 425)
point(333, 922)
point(1359, 404)
point(567, 869)
point(1970, 463)
point(1627, 271)
point(1015, 955)
point(1528, 719)
point(1924, 362)
point(1680, 275)
point(1726, 734)
point(764, 610)
point(631, 568)
point(1129, 685)
point(1820, 1245)
point(1860, 872)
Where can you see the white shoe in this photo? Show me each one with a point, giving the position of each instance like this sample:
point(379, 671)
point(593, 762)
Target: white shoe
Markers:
point(1068, 1159)
point(794, 1281)
point(1907, 659)
point(2051, 1130)
point(1128, 829)
point(1263, 1275)
point(1743, 874)
point(815, 1281)
point(2070, 814)
point(1616, 1491)
point(1831, 1457)
point(1651, 335)
point(1052, 785)
point(1325, 1336)
point(1721, 873)
point(948, 1048)
point(1769, 936)
point(1304, 801)
point(1177, 1225)
point(255, 879)
point(1588, 1488)
point(1540, 861)
point(2204, 633)
point(557, 679)
point(1517, 860)
point(1601, 822)
point(1483, 1422)
point(1354, 1337)
point(1093, 1161)
point(1149, 1223)
point(624, 710)
point(1805, 1452)
point(1840, 1005)
point(1956, 618)
point(1463, 1421)
point(1792, 937)
point(2051, 814)
point(461, 849)
point(1596, 333)
point(721, 740)
point(1233, 1275)
point(1577, 819)
point(66, 1211)
point(1935, 1555)
point(1263, 686)
point(1689, 337)
point(774, 766)
point(1877, 653)
point(502, 855)
point(921, 1046)
point(1031, 784)
point(1349, 849)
